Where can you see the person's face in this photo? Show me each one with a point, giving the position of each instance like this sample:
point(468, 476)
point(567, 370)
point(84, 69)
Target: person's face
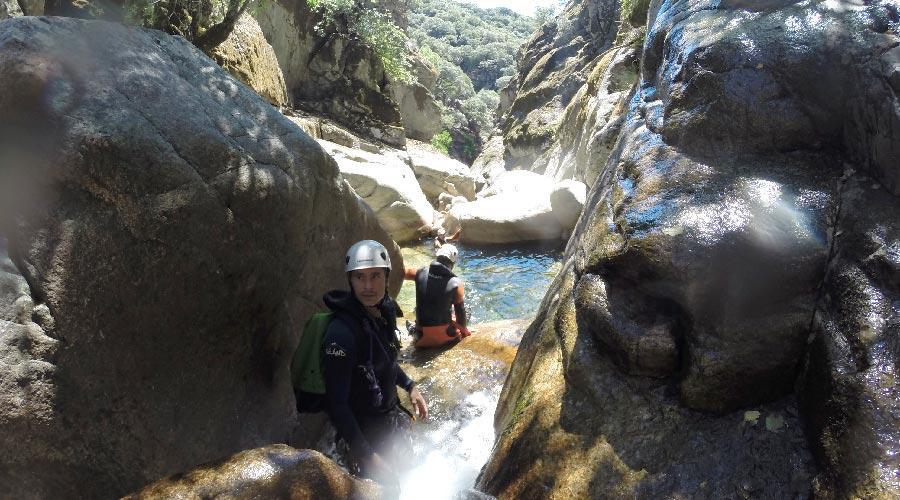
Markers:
point(369, 285)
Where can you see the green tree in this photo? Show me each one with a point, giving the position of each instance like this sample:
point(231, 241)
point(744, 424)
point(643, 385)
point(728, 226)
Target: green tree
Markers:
point(442, 142)
point(373, 26)
point(543, 14)
point(205, 23)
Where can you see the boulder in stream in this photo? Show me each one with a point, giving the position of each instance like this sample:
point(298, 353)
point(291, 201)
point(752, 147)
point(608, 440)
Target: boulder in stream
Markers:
point(518, 206)
point(438, 173)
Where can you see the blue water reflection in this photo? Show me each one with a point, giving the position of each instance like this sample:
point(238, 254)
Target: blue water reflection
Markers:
point(500, 282)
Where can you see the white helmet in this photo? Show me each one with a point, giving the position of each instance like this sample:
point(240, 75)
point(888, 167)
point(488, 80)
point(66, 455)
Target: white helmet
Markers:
point(448, 251)
point(365, 254)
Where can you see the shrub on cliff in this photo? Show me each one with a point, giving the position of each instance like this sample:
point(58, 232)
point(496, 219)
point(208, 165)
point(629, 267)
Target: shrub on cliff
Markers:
point(373, 26)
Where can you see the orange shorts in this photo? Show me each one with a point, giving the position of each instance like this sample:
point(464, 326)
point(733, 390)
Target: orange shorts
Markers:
point(436, 336)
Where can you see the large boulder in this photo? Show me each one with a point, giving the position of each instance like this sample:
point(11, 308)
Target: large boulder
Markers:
point(333, 73)
point(418, 108)
point(567, 201)
point(515, 208)
point(274, 471)
point(248, 56)
point(167, 233)
point(739, 244)
point(438, 173)
point(387, 184)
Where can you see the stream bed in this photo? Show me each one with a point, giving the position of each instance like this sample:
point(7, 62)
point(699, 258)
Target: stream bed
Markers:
point(462, 384)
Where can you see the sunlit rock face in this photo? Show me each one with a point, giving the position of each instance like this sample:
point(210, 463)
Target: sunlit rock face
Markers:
point(737, 252)
point(418, 106)
point(553, 65)
point(519, 206)
point(337, 75)
point(9, 8)
point(386, 182)
point(165, 231)
point(332, 75)
point(248, 56)
point(275, 471)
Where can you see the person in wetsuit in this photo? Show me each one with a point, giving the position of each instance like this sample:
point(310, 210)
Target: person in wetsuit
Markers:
point(361, 370)
point(437, 291)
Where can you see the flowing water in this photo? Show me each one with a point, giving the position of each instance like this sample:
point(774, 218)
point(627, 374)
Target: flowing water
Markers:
point(462, 384)
point(500, 282)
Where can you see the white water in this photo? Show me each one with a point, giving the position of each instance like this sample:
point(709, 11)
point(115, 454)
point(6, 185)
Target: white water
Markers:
point(452, 450)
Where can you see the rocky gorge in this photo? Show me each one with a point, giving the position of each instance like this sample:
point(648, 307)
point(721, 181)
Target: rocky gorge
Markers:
point(730, 284)
point(725, 322)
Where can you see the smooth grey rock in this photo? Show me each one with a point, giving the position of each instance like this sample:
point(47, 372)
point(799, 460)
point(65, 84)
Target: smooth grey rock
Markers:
point(567, 201)
point(388, 185)
point(418, 107)
point(515, 208)
point(438, 173)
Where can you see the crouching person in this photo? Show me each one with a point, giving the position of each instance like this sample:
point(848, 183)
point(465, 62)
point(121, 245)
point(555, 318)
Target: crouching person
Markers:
point(440, 308)
point(361, 371)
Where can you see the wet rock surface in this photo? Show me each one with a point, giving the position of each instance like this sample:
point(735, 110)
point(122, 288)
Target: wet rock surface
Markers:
point(569, 424)
point(165, 230)
point(275, 471)
point(849, 389)
point(462, 384)
point(730, 261)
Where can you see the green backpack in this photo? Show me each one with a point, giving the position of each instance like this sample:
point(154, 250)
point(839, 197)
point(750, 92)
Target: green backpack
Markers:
point(307, 374)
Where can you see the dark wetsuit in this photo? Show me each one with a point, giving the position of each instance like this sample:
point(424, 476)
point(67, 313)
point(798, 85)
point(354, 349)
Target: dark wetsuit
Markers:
point(438, 290)
point(365, 427)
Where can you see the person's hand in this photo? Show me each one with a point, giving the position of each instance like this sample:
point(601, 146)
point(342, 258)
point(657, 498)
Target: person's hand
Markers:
point(418, 402)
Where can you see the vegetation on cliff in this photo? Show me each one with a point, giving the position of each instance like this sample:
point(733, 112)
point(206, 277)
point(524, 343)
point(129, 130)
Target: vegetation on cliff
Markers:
point(474, 51)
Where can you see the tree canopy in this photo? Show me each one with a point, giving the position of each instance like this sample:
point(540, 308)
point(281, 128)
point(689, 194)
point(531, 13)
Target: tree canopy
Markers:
point(474, 51)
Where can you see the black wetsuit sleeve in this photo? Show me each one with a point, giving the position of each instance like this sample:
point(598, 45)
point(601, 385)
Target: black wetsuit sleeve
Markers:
point(339, 365)
point(403, 380)
point(460, 310)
